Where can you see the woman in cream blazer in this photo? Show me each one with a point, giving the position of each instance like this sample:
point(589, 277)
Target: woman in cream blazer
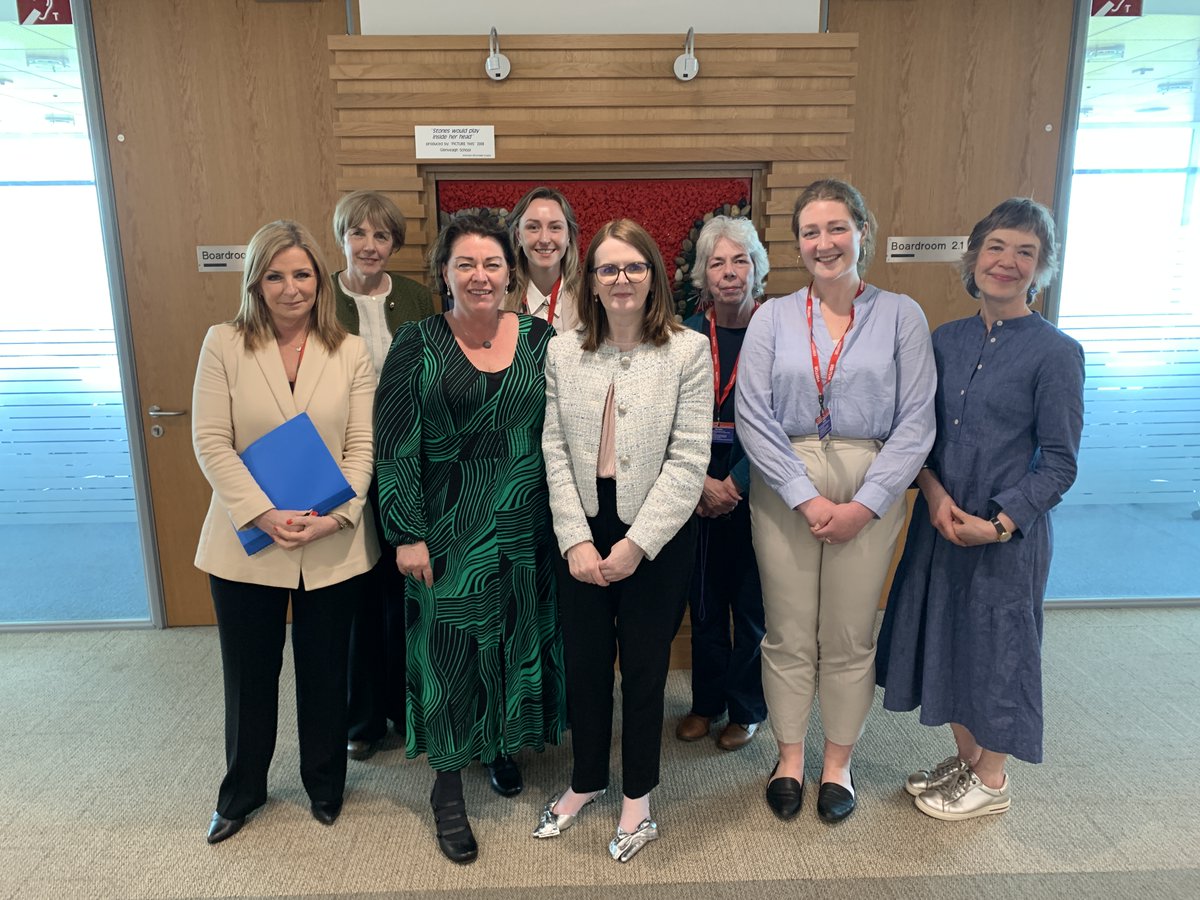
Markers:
point(626, 440)
point(283, 354)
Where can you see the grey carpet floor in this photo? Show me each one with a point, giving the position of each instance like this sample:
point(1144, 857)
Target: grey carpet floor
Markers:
point(111, 751)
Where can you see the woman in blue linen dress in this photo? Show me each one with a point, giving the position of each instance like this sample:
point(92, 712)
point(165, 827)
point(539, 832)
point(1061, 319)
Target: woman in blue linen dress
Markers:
point(962, 634)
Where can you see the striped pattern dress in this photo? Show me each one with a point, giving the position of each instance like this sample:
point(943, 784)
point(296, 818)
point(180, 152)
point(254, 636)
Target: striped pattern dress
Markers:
point(459, 465)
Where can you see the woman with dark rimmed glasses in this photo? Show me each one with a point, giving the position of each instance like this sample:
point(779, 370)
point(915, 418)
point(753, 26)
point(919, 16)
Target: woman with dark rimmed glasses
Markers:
point(626, 441)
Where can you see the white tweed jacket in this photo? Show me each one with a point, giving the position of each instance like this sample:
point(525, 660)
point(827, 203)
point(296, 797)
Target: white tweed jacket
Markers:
point(662, 398)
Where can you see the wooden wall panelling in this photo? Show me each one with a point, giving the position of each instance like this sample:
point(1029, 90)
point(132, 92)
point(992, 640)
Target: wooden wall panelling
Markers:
point(953, 102)
point(224, 110)
point(780, 104)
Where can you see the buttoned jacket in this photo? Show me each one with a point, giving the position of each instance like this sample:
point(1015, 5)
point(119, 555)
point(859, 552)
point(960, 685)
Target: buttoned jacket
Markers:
point(662, 402)
point(239, 396)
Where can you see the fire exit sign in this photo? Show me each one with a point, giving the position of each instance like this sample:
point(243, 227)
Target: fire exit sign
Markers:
point(1129, 8)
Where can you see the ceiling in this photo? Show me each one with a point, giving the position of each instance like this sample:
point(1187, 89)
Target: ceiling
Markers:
point(1143, 70)
point(40, 89)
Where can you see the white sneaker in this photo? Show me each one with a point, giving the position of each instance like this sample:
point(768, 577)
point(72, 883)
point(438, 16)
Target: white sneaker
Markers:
point(929, 779)
point(966, 797)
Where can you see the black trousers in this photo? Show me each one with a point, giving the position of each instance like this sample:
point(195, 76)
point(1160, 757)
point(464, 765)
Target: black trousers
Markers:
point(377, 653)
point(637, 618)
point(376, 675)
point(727, 670)
point(252, 622)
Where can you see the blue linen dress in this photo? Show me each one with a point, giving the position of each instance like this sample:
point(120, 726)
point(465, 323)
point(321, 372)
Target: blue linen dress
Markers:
point(961, 637)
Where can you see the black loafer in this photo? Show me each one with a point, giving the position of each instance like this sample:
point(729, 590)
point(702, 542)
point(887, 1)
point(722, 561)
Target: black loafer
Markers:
point(835, 802)
point(326, 811)
point(785, 796)
point(505, 776)
point(454, 835)
point(221, 828)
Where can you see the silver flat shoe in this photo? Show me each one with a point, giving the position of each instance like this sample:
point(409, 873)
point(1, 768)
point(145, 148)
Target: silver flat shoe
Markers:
point(627, 843)
point(552, 824)
point(931, 779)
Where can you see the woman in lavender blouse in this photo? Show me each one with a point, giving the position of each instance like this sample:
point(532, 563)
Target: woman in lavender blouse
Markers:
point(835, 410)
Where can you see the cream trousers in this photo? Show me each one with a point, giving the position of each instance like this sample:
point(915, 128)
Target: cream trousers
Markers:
point(821, 599)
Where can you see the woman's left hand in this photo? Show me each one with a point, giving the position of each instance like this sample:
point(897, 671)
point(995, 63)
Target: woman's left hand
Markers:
point(622, 561)
point(847, 521)
point(972, 530)
point(308, 527)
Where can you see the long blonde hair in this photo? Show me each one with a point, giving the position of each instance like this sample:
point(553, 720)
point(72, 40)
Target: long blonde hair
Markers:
point(572, 274)
point(253, 319)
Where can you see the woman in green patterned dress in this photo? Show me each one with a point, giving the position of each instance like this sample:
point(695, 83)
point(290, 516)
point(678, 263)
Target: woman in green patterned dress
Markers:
point(463, 498)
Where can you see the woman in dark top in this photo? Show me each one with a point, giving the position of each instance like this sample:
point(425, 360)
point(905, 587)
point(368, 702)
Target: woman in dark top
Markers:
point(372, 303)
point(962, 634)
point(463, 496)
point(731, 264)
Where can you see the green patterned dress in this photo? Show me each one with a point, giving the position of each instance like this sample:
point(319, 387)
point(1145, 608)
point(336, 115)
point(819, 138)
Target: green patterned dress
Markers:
point(459, 464)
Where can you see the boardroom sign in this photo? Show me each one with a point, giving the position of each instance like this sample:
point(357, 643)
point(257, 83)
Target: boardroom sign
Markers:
point(926, 249)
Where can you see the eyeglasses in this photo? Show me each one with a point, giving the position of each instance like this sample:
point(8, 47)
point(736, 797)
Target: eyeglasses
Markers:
point(635, 272)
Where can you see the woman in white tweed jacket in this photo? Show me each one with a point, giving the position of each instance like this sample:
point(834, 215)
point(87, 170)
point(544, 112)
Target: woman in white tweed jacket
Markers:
point(626, 440)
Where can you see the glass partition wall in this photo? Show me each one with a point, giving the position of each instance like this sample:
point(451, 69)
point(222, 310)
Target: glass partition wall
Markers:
point(70, 540)
point(1129, 530)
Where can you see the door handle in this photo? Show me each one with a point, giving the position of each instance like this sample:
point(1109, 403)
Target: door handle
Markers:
point(156, 412)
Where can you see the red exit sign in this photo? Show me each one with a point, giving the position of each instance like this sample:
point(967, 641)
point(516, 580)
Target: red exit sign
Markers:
point(44, 12)
point(1117, 8)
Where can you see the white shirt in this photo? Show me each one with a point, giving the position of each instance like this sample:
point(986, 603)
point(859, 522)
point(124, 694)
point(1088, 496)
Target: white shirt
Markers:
point(539, 305)
point(372, 322)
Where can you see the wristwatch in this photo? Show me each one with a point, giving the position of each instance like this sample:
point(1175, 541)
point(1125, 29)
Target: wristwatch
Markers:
point(1003, 535)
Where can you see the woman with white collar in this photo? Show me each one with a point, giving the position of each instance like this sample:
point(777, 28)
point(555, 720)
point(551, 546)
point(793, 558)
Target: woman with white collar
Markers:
point(372, 303)
point(545, 235)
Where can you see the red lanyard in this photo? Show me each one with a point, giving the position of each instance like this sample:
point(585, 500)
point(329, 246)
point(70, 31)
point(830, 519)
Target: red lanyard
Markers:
point(837, 351)
point(722, 396)
point(553, 301)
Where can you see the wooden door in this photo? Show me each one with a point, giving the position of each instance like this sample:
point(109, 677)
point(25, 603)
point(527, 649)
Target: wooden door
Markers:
point(218, 120)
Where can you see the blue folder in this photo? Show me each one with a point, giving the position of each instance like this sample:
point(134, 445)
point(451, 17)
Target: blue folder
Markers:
point(295, 470)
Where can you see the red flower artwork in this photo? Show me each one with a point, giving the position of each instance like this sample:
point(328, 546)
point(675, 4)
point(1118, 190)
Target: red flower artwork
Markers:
point(671, 209)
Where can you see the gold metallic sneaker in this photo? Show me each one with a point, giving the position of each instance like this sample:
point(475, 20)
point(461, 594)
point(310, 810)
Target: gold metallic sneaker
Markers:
point(964, 798)
point(552, 824)
point(930, 779)
point(627, 843)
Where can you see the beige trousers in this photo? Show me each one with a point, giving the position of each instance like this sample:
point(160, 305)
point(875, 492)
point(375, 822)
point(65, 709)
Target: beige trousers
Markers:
point(821, 599)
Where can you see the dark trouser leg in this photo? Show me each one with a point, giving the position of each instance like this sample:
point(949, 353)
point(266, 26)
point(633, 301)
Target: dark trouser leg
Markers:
point(251, 623)
point(586, 613)
point(743, 685)
point(709, 605)
point(368, 665)
point(651, 606)
point(320, 644)
point(390, 585)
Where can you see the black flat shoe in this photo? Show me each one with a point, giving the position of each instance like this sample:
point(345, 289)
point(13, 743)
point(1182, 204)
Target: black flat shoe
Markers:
point(785, 796)
point(835, 802)
point(221, 828)
point(454, 835)
point(326, 811)
point(505, 776)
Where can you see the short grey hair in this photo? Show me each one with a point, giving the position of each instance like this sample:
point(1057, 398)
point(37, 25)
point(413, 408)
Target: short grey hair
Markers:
point(740, 231)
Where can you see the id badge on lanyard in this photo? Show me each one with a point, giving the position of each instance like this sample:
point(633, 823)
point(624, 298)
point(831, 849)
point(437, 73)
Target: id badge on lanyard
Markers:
point(722, 432)
point(824, 420)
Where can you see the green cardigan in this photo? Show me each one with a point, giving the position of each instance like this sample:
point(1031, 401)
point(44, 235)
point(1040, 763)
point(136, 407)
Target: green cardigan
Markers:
point(407, 302)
